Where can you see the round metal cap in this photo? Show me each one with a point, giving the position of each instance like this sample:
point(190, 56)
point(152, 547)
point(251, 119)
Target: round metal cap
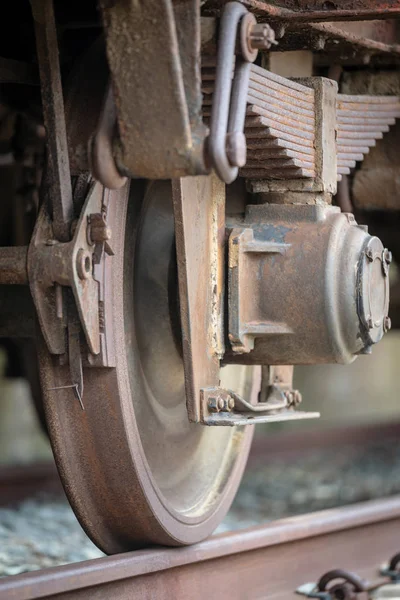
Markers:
point(373, 291)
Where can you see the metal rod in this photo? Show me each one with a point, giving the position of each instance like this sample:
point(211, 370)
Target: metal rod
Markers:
point(60, 190)
point(13, 265)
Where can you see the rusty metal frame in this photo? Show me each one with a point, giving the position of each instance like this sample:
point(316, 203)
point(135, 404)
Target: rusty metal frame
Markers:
point(199, 208)
point(318, 10)
point(58, 177)
point(154, 53)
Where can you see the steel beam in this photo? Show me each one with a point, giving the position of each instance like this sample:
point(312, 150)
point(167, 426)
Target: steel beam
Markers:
point(318, 10)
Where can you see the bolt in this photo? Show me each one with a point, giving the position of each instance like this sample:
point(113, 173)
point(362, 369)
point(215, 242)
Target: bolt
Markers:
point(260, 37)
point(83, 264)
point(289, 397)
point(98, 230)
point(387, 256)
point(297, 397)
point(51, 242)
point(369, 254)
point(387, 324)
point(319, 43)
point(228, 403)
point(280, 32)
point(215, 404)
point(350, 218)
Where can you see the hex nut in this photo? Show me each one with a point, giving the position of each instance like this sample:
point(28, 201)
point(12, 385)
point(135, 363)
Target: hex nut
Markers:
point(387, 256)
point(297, 399)
point(369, 254)
point(215, 403)
point(260, 37)
point(387, 324)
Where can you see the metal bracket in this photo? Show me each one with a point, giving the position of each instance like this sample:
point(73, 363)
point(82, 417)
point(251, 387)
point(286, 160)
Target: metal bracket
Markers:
point(76, 264)
point(244, 322)
point(224, 407)
point(160, 43)
point(227, 143)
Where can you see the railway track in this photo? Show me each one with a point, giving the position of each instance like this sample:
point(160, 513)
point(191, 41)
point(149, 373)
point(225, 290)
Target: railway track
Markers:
point(263, 562)
point(268, 561)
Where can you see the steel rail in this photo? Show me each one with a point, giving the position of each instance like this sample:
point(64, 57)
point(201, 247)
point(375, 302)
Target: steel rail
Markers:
point(263, 562)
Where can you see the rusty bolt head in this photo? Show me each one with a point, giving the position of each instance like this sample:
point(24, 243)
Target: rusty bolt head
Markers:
point(98, 230)
point(350, 218)
point(369, 254)
point(297, 397)
point(84, 264)
point(293, 397)
point(387, 324)
point(260, 37)
point(387, 256)
point(289, 397)
point(319, 43)
point(215, 403)
point(225, 404)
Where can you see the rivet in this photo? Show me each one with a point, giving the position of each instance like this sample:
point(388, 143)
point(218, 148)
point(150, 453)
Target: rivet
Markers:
point(387, 324)
point(387, 255)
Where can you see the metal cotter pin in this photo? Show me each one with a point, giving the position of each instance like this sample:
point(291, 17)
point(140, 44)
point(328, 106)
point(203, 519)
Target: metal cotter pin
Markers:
point(75, 388)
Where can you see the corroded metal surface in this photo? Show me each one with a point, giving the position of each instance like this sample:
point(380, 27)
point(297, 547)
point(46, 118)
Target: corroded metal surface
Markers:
point(295, 296)
point(162, 44)
point(279, 124)
point(13, 267)
point(199, 206)
point(291, 126)
point(58, 174)
point(249, 564)
point(361, 120)
point(318, 10)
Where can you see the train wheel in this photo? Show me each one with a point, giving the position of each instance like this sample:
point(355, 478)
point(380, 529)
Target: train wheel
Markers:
point(135, 470)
